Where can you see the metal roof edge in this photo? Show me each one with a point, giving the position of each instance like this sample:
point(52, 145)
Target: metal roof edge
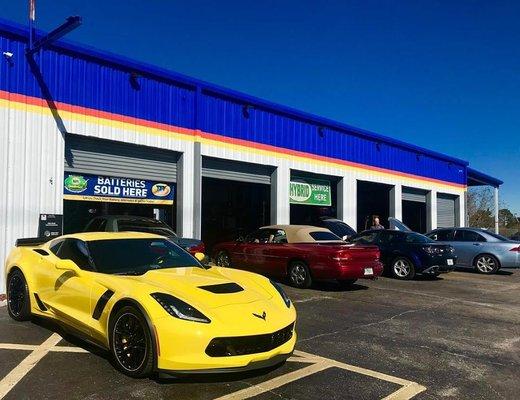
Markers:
point(485, 179)
point(123, 62)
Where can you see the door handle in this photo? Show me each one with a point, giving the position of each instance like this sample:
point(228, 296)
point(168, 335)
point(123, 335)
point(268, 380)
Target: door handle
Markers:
point(477, 244)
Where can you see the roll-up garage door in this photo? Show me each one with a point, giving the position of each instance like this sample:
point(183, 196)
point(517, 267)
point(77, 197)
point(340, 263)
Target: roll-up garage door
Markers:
point(236, 171)
point(445, 211)
point(110, 158)
point(417, 195)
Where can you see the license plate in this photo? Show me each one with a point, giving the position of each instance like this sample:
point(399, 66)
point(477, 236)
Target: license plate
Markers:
point(450, 261)
point(369, 271)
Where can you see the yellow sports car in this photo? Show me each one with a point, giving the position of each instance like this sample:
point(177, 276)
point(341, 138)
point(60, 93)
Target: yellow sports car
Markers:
point(154, 306)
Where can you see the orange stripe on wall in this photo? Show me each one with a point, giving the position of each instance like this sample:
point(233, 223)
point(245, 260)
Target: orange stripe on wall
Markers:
point(36, 101)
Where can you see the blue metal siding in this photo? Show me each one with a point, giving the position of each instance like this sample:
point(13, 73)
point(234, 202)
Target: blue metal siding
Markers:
point(84, 77)
point(225, 116)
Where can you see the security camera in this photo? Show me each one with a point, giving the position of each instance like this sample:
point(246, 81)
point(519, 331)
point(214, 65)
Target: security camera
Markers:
point(7, 54)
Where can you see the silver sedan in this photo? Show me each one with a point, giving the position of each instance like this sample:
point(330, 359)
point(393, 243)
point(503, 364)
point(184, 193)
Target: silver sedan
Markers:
point(482, 250)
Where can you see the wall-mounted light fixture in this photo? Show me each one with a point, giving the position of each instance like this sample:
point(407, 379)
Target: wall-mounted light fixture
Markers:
point(134, 81)
point(246, 110)
point(9, 57)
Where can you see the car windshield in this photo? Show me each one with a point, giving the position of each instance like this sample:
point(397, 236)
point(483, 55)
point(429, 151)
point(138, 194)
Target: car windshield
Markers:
point(145, 225)
point(137, 256)
point(417, 238)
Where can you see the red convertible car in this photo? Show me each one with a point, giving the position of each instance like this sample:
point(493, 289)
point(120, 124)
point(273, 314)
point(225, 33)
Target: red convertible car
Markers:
point(302, 253)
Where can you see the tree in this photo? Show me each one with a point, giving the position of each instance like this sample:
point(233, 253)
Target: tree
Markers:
point(480, 207)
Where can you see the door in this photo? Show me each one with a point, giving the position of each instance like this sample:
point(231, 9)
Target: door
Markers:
point(271, 257)
point(467, 244)
point(67, 292)
point(256, 250)
point(388, 242)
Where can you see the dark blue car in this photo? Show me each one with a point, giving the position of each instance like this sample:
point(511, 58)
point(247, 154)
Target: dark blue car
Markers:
point(405, 254)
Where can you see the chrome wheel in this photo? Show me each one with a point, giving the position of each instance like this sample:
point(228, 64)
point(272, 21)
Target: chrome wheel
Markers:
point(223, 259)
point(486, 264)
point(16, 295)
point(402, 268)
point(129, 342)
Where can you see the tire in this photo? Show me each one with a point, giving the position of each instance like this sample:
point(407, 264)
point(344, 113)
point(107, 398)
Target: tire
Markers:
point(346, 283)
point(222, 259)
point(18, 300)
point(486, 264)
point(299, 275)
point(403, 268)
point(136, 359)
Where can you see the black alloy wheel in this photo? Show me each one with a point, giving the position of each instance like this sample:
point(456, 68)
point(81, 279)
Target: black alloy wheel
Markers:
point(131, 343)
point(18, 301)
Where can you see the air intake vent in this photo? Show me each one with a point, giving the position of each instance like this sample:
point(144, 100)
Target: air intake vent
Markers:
point(223, 288)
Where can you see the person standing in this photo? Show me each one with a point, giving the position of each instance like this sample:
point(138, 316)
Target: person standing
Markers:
point(375, 223)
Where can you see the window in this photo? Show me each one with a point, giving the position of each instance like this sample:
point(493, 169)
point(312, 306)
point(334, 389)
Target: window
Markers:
point(444, 235)
point(417, 238)
point(279, 236)
point(468, 236)
point(55, 247)
point(387, 237)
point(367, 238)
point(137, 256)
point(76, 251)
point(260, 236)
point(320, 236)
point(96, 225)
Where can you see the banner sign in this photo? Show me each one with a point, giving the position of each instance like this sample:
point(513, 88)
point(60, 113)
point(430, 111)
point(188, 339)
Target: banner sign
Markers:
point(312, 192)
point(85, 187)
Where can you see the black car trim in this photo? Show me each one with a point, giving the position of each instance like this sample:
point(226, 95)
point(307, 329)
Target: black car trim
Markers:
point(223, 288)
point(41, 306)
point(101, 303)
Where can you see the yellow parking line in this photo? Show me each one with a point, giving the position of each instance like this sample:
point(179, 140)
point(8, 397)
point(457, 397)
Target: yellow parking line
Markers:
point(16, 375)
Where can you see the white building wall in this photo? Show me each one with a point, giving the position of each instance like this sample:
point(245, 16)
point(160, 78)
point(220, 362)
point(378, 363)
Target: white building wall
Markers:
point(31, 170)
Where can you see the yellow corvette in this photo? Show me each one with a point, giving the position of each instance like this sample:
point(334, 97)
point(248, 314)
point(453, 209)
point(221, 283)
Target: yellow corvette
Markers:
point(150, 303)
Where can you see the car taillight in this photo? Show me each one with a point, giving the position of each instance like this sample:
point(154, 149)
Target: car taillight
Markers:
point(516, 249)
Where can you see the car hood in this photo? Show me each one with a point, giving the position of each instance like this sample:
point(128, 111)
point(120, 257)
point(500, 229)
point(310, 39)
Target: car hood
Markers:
point(208, 288)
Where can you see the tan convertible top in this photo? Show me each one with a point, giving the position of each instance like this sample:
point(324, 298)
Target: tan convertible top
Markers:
point(298, 233)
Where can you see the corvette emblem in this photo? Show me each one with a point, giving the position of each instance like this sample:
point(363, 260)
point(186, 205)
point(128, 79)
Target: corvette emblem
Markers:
point(263, 316)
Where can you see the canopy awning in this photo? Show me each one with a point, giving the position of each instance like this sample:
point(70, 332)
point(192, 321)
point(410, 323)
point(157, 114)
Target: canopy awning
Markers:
point(476, 178)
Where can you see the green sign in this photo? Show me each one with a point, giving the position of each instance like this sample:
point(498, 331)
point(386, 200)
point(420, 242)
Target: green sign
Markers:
point(312, 192)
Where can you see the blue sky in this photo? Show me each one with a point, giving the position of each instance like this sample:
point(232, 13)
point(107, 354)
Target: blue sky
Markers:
point(441, 74)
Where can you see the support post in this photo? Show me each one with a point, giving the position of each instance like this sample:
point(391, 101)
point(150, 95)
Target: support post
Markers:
point(280, 207)
point(347, 201)
point(197, 191)
point(185, 194)
point(431, 210)
point(496, 211)
point(396, 203)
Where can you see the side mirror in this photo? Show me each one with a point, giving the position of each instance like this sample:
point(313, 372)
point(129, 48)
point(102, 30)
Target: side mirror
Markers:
point(67, 265)
point(200, 256)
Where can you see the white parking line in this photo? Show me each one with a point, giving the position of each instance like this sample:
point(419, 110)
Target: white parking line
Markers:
point(317, 363)
point(28, 363)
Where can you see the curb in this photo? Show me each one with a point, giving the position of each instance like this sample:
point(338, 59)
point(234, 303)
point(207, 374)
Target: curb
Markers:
point(3, 300)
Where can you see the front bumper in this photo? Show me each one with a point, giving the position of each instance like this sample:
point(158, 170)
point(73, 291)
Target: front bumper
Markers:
point(182, 347)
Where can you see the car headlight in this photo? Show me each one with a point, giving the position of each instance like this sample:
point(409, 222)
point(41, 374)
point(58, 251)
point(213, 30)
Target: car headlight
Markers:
point(179, 309)
point(279, 289)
